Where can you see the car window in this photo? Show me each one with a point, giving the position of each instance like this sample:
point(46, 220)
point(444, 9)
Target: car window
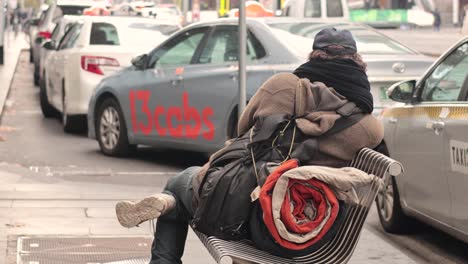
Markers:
point(70, 37)
point(334, 8)
point(104, 34)
point(446, 81)
point(178, 51)
point(313, 8)
point(56, 33)
point(43, 17)
point(223, 46)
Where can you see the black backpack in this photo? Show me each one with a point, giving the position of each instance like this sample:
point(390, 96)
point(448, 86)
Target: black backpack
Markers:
point(225, 205)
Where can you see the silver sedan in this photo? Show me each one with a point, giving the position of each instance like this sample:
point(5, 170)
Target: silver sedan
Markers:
point(183, 94)
point(427, 132)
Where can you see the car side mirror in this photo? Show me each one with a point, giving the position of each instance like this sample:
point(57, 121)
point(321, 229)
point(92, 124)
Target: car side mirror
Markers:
point(140, 61)
point(49, 45)
point(402, 91)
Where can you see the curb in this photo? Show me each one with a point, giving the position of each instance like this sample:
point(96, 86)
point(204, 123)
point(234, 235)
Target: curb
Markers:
point(2, 103)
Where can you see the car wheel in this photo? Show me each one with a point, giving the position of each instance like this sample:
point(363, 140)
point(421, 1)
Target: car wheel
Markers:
point(72, 123)
point(391, 215)
point(47, 109)
point(111, 131)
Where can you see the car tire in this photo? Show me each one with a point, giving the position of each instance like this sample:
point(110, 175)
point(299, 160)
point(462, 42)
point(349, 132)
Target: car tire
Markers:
point(114, 143)
point(47, 109)
point(391, 215)
point(72, 123)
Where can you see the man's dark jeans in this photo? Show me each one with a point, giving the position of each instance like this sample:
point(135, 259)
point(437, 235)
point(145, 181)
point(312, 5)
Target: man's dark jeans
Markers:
point(171, 228)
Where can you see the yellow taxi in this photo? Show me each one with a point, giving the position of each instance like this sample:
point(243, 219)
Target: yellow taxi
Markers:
point(428, 133)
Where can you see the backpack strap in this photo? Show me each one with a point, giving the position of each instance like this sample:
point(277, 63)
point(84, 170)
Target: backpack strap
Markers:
point(265, 127)
point(349, 117)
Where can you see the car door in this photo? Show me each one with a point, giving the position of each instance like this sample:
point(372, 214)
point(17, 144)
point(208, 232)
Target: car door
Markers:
point(211, 85)
point(55, 71)
point(156, 95)
point(419, 144)
point(455, 125)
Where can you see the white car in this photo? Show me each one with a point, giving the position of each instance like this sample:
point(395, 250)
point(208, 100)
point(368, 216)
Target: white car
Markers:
point(142, 8)
point(167, 12)
point(91, 49)
point(49, 48)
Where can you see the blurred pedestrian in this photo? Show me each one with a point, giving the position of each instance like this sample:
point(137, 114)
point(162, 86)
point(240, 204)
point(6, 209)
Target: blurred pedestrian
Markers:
point(437, 20)
point(464, 30)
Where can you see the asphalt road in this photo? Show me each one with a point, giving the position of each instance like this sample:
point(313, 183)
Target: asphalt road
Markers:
point(41, 145)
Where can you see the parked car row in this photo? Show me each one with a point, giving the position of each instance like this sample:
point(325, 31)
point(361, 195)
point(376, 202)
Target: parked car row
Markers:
point(46, 24)
point(183, 93)
point(91, 48)
point(49, 16)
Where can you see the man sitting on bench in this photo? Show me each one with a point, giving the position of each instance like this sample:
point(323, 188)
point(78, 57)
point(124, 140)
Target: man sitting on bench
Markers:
point(334, 75)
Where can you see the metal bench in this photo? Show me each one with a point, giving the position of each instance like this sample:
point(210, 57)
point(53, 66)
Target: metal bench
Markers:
point(341, 247)
point(337, 250)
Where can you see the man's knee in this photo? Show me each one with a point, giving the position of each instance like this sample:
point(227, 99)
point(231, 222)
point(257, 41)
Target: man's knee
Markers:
point(182, 178)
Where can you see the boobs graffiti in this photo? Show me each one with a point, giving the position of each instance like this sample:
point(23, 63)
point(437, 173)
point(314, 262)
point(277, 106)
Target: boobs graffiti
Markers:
point(181, 121)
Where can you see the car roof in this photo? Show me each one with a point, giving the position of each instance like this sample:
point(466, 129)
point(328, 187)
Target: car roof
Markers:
point(69, 18)
point(321, 23)
point(121, 19)
point(268, 20)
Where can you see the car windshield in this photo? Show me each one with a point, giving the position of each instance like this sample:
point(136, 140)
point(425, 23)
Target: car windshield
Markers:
point(72, 9)
point(130, 34)
point(300, 36)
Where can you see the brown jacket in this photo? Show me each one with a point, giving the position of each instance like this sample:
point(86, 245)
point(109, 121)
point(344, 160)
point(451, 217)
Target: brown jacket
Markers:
point(286, 93)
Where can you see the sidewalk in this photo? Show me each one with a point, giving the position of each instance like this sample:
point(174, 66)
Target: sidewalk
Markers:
point(55, 214)
point(13, 47)
point(36, 206)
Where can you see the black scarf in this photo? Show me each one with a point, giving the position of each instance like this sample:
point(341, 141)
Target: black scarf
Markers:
point(343, 75)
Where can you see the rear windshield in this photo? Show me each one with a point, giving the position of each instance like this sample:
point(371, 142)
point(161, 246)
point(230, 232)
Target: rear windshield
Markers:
point(130, 34)
point(104, 34)
point(300, 37)
point(164, 29)
point(334, 8)
point(313, 8)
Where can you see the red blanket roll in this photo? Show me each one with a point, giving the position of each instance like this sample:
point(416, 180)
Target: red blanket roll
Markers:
point(300, 193)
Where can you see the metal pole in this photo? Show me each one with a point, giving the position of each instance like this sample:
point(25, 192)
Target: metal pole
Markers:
point(242, 56)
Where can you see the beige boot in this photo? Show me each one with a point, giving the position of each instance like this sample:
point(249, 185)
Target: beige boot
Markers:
point(131, 214)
